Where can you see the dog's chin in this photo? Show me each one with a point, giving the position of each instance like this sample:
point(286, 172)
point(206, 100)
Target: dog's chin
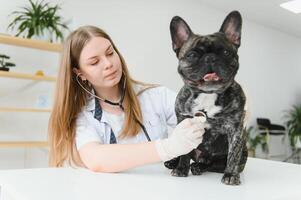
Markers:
point(206, 86)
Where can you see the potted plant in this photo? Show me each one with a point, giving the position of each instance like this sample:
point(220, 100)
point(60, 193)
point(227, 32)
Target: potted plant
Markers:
point(293, 124)
point(254, 141)
point(3, 64)
point(38, 19)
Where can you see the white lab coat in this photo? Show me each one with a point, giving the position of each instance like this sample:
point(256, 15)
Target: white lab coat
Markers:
point(158, 110)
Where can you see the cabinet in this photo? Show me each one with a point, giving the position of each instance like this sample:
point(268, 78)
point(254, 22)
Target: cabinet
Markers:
point(28, 43)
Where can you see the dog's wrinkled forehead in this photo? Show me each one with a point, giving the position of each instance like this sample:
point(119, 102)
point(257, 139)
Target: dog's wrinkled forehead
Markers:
point(217, 40)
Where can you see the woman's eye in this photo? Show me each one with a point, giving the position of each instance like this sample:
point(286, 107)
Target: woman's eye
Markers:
point(111, 52)
point(94, 63)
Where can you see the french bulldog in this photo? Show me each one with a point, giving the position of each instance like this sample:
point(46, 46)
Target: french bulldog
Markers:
point(208, 65)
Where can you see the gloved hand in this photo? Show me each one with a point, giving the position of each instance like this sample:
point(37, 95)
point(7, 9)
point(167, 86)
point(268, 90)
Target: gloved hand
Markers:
point(186, 136)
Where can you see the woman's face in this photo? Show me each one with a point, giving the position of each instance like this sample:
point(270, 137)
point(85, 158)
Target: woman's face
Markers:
point(100, 64)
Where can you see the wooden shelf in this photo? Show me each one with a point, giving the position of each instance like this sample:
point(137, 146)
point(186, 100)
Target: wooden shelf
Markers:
point(26, 76)
point(35, 44)
point(23, 144)
point(39, 76)
point(7, 109)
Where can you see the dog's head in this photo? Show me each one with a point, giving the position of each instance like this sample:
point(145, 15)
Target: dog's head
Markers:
point(207, 62)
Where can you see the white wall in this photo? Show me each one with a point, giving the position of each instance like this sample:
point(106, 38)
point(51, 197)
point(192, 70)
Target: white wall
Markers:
point(269, 59)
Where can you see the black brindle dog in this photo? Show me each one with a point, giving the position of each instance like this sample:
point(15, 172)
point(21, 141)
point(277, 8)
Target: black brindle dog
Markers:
point(208, 65)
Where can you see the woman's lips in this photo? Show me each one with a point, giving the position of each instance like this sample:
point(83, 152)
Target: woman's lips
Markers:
point(111, 74)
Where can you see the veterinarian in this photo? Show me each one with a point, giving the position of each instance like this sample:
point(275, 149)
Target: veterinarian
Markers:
point(104, 120)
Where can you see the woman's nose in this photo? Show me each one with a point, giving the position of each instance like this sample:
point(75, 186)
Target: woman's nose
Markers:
point(107, 63)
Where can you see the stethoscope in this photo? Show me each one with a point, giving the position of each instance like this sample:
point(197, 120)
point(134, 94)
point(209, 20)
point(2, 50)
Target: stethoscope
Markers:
point(115, 103)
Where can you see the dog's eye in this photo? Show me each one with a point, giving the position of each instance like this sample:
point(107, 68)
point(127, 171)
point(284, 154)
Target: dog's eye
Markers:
point(226, 53)
point(192, 55)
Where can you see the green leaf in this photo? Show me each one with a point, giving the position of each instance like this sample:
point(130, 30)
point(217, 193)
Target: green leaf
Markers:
point(9, 64)
point(4, 56)
point(293, 123)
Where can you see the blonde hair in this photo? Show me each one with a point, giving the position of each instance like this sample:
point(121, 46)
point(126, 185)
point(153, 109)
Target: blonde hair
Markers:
point(70, 98)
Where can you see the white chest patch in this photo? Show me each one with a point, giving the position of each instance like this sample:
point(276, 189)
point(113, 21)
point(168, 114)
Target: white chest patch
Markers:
point(206, 102)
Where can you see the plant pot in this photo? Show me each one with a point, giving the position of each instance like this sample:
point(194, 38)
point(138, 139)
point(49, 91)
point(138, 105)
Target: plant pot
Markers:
point(251, 153)
point(4, 69)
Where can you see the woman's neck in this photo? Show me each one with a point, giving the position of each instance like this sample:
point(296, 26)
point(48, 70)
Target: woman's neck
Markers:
point(112, 94)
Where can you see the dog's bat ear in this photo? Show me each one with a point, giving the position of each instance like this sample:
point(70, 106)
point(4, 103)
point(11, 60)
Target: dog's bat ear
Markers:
point(180, 32)
point(231, 27)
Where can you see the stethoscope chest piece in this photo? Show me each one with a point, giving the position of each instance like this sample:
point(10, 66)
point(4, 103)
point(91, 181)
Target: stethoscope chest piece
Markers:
point(202, 115)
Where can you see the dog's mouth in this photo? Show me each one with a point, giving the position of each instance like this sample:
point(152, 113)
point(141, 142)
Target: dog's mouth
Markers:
point(210, 77)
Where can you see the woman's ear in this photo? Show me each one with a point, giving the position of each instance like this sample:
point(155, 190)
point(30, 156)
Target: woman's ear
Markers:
point(78, 73)
point(75, 71)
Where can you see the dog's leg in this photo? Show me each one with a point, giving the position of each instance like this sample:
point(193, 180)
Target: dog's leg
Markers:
point(231, 175)
point(173, 163)
point(243, 159)
point(219, 164)
point(214, 164)
point(202, 163)
point(198, 168)
point(182, 169)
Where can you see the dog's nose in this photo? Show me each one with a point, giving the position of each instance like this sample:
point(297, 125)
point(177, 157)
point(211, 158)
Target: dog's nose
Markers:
point(210, 58)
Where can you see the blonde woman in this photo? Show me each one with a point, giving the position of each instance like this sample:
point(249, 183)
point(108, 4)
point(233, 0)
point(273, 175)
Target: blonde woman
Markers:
point(104, 120)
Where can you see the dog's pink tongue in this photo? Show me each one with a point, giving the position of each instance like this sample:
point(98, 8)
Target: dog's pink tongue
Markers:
point(211, 77)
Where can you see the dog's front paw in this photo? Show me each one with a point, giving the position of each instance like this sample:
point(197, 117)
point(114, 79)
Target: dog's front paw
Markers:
point(172, 164)
point(231, 179)
point(180, 172)
point(198, 168)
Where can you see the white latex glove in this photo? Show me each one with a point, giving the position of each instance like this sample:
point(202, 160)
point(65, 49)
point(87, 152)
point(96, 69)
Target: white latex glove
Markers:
point(186, 136)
